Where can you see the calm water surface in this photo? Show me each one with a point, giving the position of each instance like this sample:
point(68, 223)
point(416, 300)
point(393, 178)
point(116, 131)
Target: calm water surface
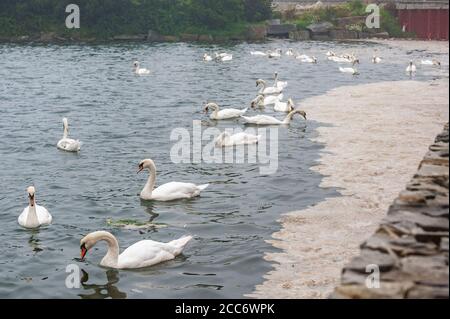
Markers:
point(122, 119)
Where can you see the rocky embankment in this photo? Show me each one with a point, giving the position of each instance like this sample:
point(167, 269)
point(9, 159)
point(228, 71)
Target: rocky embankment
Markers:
point(411, 244)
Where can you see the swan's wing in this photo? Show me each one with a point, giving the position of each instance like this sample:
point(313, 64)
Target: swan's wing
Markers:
point(145, 253)
point(43, 215)
point(23, 217)
point(229, 113)
point(175, 190)
point(69, 145)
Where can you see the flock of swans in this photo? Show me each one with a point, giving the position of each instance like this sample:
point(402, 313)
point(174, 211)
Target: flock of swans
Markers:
point(147, 252)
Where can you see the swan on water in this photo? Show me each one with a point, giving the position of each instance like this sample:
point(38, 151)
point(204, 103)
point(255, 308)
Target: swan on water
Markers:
point(68, 144)
point(275, 54)
point(284, 106)
point(270, 120)
point(290, 52)
point(279, 84)
point(411, 68)
point(351, 70)
point(267, 90)
point(207, 57)
point(224, 114)
point(262, 100)
point(430, 62)
point(34, 216)
point(169, 191)
point(306, 59)
point(376, 59)
point(138, 70)
point(258, 53)
point(225, 139)
point(144, 253)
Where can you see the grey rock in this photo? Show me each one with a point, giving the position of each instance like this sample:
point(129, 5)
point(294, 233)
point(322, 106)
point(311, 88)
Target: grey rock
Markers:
point(321, 27)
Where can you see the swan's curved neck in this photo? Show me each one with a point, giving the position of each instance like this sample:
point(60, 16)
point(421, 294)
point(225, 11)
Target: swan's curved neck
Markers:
point(32, 218)
point(215, 109)
point(148, 188)
point(111, 258)
point(289, 117)
point(66, 131)
point(261, 91)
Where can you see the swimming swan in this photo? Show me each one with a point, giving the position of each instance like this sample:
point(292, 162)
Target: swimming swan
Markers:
point(279, 84)
point(284, 106)
point(34, 215)
point(224, 114)
point(207, 57)
point(411, 68)
point(138, 70)
point(144, 253)
point(68, 144)
point(225, 139)
point(169, 191)
point(376, 59)
point(430, 62)
point(262, 100)
point(267, 90)
point(270, 120)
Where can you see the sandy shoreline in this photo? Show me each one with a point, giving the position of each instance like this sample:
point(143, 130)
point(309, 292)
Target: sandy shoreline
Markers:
point(377, 135)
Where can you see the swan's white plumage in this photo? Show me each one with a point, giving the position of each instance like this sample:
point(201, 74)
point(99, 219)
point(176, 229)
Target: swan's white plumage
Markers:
point(68, 144)
point(34, 216)
point(242, 138)
point(224, 114)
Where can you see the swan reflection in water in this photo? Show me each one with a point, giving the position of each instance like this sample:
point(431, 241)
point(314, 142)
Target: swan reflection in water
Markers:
point(108, 290)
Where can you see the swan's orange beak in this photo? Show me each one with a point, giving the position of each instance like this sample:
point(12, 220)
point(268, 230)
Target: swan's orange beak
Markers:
point(83, 252)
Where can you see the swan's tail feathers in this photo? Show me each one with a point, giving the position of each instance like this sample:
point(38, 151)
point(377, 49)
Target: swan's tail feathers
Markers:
point(180, 243)
point(203, 187)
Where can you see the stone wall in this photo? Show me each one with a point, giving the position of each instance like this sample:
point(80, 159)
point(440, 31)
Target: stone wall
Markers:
point(411, 244)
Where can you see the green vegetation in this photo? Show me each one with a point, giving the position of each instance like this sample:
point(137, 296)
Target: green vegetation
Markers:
point(106, 18)
point(354, 8)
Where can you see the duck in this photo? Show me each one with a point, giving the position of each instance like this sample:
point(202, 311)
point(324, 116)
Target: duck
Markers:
point(224, 114)
point(68, 144)
point(34, 216)
point(242, 138)
point(376, 59)
point(411, 68)
point(262, 100)
point(169, 191)
point(268, 90)
point(270, 120)
point(144, 253)
point(284, 106)
point(207, 57)
point(430, 62)
point(138, 70)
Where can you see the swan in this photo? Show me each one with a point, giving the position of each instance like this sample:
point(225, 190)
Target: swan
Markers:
point(223, 57)
point(284, 106)
point(224, 114)
point(376, 59)
point(351, 70)
point(258, 53)
point(270, 120)
point(290, 52)
point(225, 139)
point(275, 54)
point(330, 53)
point(207, 57)
point(169, 191)
point(279, 84)
point(306, 59)
point(138, 70)
point(411, 68)
point(68, 144)
point(262, 100)
point(267, 90)
point(430, 62)
point(144, 253)
point(343, 59)
point(34, 215)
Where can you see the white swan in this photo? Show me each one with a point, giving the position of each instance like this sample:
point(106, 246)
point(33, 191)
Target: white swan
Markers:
point(343, 59)
point(144, 253)
point(223, 57)
point(258, 53)
point(169, 191)
point(34, 215)
point(262, 100)
point(411, 68)
point(270, 120)
point(279, 84)
point(68, 144)
point(275, 54)
point(225, 139)
point(290, 52)
point(224, 114)
point(351, 70)
point(376, 59)
point(207, 57)
point(138, 70)
point(284, 106)
point(430, 62)
point(306, 59)
point(267, 90)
